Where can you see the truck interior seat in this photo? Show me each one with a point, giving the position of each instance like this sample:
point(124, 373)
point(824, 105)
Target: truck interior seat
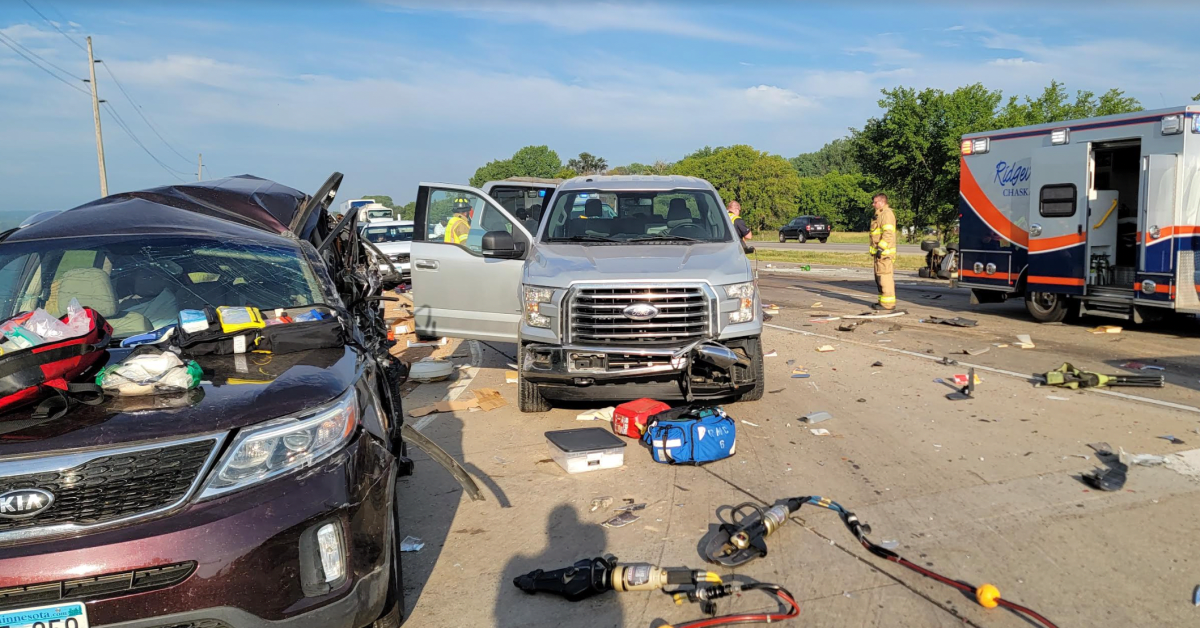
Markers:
point(678, 213)
point(593, 208)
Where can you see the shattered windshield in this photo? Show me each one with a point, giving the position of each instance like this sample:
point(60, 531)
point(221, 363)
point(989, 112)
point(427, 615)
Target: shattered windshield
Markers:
point(140, 285)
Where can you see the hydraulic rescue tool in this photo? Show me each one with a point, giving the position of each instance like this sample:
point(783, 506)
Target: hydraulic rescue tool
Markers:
point(1067, 376)
point(744, 540)
point(592, 576)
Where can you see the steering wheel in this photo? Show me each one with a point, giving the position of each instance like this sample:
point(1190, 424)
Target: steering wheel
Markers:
point(689, 230)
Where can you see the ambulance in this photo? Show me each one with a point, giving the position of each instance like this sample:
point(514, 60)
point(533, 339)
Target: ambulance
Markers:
point(1099, 216)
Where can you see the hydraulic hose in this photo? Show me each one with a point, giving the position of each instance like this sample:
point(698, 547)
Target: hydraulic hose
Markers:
point(713, 593)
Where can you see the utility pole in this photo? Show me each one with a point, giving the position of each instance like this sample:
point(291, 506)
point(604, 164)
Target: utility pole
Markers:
point(199, 166)
point(96, 117)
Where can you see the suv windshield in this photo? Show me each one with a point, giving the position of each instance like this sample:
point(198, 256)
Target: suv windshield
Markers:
point(391, 233)
point(674, 215)
point(140, 285)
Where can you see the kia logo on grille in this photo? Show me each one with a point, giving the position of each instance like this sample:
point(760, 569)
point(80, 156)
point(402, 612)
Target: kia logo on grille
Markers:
point(640, 311)
point(23, 503)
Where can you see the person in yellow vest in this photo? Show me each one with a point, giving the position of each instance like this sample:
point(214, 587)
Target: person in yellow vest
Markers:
point(459, 225)
point(734, 209)
point(883, 249)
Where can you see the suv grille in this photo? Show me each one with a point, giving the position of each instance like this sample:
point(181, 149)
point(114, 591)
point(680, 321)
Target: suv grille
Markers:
point(96, 586)
point(597, 316)
point(114, 486)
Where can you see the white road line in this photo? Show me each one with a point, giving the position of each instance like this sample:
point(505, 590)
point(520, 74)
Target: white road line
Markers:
point(466, 376)
point(990, 369)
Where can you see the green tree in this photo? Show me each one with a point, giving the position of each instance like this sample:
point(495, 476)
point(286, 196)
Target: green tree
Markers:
point(536, 161)
point(845, 199)
point(494, 170)
point(408, 211)
point(635, 168)
point(1055, 105)
point(836, 156)
point(766, 185)
point(913, 150)
point(587, 163)
point(565, 173)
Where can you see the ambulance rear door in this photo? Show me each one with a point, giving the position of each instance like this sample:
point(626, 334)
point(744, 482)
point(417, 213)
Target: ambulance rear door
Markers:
point(1058, 218)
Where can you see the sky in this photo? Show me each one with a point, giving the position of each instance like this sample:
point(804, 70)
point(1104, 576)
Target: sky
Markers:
point(396, 92)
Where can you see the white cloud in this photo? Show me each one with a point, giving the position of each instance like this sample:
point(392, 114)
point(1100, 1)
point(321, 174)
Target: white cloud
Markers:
point(888, 49)
point(1015, 62)
point(775, 98)
point(956, 27)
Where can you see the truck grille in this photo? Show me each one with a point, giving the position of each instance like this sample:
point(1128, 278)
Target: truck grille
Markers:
point(597, 315)
point(113, 485)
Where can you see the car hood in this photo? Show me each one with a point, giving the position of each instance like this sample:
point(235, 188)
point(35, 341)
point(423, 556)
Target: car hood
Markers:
point(558, 265)
point(236, 391)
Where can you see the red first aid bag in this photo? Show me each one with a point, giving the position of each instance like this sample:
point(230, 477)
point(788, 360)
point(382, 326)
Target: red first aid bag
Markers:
point(629, 419)
point(47, 369)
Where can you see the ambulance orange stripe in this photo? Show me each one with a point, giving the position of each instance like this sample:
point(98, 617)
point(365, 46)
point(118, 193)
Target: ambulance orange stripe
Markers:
point(1057, 242)
point(987, 211)
point(1158, 289)
point(1055, 281)
point(1167, 232)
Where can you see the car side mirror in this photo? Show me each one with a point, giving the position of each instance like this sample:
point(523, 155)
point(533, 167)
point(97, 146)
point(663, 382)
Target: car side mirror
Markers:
point(500, 244)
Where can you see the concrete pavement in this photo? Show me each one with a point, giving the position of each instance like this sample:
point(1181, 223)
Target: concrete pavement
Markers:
point(982, 490)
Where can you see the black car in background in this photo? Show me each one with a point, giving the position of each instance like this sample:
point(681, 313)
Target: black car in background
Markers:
point(804, 228)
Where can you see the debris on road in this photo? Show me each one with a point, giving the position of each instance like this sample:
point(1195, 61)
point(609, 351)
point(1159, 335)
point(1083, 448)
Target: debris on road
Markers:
point(957, 321)
point(439, 343)
point(820, 431)
point(1106, 329)
point(1053, 398)
point(771, 354)
point(890, 544)
point(825, 348)
point(489, 399)
point(961, 379)
point(1101, 449)
point(1172, 439)
point(770, 309)
point(603, 414)
point(976, 351)
point(630, 507)
point(968, 386)
point(799, 373)
point(849, 325)
point(411, 544)
point(1067, 376)
point(1146, 460)
point(948, 362)
point(817, 305)
point(601, 502)
point(444, 406)
point(621, 520)
point(877, 363)
point(816, 417)
point(826, 319)
point(430, 370)
point(511, 377)
point(750, 424)
point(1110, 479)
point(1024, 341)
point(874, 315)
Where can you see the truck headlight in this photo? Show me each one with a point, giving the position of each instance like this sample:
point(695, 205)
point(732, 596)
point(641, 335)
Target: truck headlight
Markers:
point(535, 297)
point(283, 445)
point(744, 293)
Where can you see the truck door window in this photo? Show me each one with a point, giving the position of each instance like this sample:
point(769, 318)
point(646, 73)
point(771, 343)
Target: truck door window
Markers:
point(481, 218)
point(1057, 201)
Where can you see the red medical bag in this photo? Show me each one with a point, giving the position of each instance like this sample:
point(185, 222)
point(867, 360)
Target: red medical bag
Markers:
point(629, 419)
point(29, 374)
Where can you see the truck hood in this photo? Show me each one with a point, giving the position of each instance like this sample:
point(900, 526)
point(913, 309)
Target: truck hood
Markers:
point(394, 248)
point(236, 391)
point(558, 265)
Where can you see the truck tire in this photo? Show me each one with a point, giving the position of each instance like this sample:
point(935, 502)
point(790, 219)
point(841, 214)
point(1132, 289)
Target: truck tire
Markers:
point(782, 238)
point(801, 237)
point(529, 399)
point(930, 245)
point(1047, 307)
point(755, 352)
point(823, 240)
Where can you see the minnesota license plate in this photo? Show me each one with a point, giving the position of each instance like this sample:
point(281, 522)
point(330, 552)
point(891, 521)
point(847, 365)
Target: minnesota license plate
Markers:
point(72, 615)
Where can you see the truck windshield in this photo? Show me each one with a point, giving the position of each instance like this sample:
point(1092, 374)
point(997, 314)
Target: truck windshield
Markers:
point(669, 215)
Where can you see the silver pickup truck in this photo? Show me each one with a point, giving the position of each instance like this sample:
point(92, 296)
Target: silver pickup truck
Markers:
point(624, 287)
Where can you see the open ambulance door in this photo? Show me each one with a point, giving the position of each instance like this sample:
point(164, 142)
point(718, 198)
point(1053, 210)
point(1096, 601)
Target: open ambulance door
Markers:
point(1156, 223)
point(469, 289)
point(1058, 205)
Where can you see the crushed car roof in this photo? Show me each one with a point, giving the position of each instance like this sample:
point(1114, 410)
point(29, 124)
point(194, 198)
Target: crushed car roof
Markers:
point(240, 206)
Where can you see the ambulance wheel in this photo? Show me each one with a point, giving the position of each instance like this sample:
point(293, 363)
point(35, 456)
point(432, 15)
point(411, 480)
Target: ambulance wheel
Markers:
point(801, 237)
point(529, 399)
point(1047, 307)
point(782, 238)
point(755, 353)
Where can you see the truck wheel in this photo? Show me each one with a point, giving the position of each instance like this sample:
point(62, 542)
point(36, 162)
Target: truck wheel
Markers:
point(930, 245)
point(754, 349)
point(528, 397)
point(1047, 307)
point(801, 237)
point(823, 240)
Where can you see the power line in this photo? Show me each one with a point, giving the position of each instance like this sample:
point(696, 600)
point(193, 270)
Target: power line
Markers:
point(116, 117)
point(4, 40)
point(40, 57)
point(137, 109)
point(51, 23)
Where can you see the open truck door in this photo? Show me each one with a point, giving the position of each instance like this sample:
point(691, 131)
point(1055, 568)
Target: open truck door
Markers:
point(1157, 219)
point(1057, 266)
point(468, 289)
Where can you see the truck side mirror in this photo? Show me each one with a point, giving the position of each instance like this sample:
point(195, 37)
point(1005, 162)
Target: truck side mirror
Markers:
point(500, 244)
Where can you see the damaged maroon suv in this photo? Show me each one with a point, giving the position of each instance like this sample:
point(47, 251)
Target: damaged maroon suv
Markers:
point(264, 496)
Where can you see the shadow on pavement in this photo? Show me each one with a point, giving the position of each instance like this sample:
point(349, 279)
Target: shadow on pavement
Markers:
point(567, 540)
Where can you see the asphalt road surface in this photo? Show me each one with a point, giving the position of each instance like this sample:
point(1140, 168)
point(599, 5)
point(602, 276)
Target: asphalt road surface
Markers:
point(982, 490)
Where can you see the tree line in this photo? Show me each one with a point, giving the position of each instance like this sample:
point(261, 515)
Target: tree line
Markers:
point(910, 152)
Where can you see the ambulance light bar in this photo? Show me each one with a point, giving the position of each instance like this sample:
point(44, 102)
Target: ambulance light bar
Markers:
point(1172, 124)
point(977, 146)
point(1060, 136)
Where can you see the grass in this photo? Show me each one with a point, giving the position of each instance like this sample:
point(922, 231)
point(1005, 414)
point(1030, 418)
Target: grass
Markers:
point(837, 237)
point(834, 258)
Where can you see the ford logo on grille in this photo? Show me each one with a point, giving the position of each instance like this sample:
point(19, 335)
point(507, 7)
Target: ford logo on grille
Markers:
point(640, 311)
point(23, 503)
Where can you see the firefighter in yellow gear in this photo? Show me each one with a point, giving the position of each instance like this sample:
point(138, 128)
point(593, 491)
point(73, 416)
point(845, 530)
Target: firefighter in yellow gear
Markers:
point(459, 225)
point(883, 249)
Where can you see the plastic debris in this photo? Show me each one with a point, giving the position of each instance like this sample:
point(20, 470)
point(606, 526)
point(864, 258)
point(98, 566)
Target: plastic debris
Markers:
point(819, 431)
point(621, 520)
point(849, 325)
point(1101, 449)
point(631, 507)
point(411, 544)
point(976, 351)
point(510, 377)
point(149, 374)
point(1110, 479)
point(603, 414)
point(1054, 398)
point(957, 321)
point(771, 354)
point(750, 424)
point(799, 373)
point(825, 348)
point(962, 379)
point(1147, 460)
point(816, 417)
point(1172, 439)
point(890, 544)
point(877, 364)
point(601, 502)
point(1024, 341)
point(1106, 329)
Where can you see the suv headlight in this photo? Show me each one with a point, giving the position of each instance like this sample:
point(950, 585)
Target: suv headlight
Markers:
point(744, 293)
point(535, 297)
point(277, 447)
